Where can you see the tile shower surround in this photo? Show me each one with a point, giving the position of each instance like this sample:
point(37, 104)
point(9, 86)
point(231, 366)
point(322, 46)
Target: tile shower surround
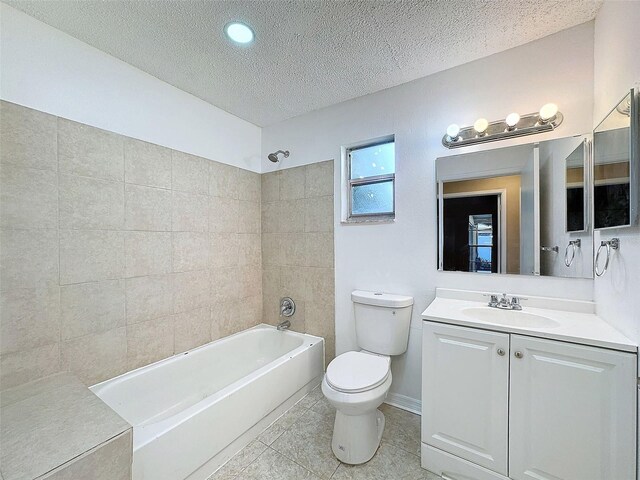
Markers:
point(298, 249)
point(116, 253)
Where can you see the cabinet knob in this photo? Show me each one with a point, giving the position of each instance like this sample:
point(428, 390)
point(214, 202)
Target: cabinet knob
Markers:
point(518, 355)
point(501, 352)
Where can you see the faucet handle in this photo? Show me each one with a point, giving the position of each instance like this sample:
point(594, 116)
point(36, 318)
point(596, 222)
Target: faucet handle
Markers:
point(515, 302)
point(493, 299)
point(287, 307)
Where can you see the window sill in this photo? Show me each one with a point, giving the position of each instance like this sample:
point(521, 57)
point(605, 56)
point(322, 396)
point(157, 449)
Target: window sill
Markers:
point(368, 221)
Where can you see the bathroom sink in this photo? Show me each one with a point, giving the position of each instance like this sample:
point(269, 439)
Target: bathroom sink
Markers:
point(514, 318)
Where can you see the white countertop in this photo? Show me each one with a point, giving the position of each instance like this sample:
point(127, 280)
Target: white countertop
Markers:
point(577, 322)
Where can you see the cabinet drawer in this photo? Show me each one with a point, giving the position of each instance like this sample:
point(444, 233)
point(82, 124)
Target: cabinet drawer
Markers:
point(454, 468)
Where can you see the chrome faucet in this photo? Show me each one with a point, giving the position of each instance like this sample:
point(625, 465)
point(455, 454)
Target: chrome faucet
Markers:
point(284, 325)
point(504, 302)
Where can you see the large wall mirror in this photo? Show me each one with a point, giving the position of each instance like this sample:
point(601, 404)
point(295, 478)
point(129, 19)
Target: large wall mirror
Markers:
point(517, 210)
point(615, 169)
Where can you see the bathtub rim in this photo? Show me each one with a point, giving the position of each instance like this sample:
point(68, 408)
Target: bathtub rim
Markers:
point(147, 433)
point(152, 366)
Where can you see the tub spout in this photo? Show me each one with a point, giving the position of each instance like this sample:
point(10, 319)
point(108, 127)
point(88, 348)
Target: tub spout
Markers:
point(284, 325)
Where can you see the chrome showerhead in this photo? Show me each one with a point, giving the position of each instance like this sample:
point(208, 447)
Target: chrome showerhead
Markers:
point(274, 156)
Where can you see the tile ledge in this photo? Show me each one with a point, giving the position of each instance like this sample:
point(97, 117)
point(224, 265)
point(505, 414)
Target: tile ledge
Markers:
point(28, 411)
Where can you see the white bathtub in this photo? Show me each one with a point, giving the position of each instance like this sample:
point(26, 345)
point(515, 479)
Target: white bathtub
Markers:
point(191, 412)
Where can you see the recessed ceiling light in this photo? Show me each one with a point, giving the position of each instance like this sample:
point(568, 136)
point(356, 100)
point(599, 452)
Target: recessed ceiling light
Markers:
point(239, 32)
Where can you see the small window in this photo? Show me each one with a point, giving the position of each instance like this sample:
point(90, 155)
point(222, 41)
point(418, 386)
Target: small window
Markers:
point(371, 181)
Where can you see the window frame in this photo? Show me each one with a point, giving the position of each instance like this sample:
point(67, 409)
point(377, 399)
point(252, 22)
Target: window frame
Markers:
point(350, 183)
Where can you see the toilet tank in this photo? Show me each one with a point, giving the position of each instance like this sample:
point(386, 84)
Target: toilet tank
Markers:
point(382, 321)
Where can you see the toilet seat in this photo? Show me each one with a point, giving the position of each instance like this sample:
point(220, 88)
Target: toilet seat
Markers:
point(355, 372)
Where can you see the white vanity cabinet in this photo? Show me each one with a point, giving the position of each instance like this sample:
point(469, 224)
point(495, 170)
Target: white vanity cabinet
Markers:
point(572, 411)
point(465, 393)
point(498, 405)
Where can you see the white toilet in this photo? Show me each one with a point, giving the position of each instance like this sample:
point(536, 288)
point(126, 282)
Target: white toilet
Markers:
point(356, 383)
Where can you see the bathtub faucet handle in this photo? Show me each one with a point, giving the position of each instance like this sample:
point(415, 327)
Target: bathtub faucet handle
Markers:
point(287, 307)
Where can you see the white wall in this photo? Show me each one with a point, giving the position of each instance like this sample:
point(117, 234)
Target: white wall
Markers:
point(401, 257)
point(617, 69)
point(48, 70)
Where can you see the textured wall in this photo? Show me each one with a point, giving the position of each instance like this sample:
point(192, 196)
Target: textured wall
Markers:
point(116, 253)
point(297, 248)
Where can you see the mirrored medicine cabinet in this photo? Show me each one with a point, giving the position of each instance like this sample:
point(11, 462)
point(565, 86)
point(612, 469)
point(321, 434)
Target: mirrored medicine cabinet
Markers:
point(615, 166)
point(517, 210)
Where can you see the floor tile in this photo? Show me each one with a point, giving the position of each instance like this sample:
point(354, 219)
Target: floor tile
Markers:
point(402, 428)
point(311, 398)
point(300, 448)
point(324, 408)
point(241, 460)
point(281, 424)
point(271, 465)
point(389, 462)
point(308, 442)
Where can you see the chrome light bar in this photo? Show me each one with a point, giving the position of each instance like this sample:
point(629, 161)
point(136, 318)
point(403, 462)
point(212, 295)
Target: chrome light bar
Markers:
point(529, 124)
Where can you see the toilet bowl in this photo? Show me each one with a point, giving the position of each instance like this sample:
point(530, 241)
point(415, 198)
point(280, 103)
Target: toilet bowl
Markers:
point(356, 384)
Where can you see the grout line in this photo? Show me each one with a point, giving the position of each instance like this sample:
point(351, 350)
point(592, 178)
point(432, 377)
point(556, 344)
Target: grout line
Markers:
point(334, 472)
point(59, 244)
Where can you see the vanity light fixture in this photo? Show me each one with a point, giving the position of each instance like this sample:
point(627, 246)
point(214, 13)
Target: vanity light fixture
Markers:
point(453, 131)
point(512, 120)
point(625, 107)
point(548, 112)
point(481, 126)
point(515, 125)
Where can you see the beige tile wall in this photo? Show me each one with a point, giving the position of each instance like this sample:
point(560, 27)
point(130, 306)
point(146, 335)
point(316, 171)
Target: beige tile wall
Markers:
point(298, 250)
point(115, 253)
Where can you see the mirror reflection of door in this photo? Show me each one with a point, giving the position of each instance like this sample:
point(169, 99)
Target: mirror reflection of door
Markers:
point(471, 233)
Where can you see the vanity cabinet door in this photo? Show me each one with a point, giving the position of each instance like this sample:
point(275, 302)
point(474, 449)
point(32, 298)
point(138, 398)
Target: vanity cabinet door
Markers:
point(465, 388)
point(572, 412)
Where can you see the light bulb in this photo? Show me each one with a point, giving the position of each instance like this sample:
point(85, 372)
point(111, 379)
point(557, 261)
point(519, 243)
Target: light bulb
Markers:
point(481, 126)
point(512, 120)
point(453, 131)
point(548, 112)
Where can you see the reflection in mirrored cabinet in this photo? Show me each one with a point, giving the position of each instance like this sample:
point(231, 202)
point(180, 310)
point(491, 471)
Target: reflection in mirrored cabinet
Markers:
point(576, 179)
point(615, 169)
point(517, 210)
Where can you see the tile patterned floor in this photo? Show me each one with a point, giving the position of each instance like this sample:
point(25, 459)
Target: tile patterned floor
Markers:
point(297, 446)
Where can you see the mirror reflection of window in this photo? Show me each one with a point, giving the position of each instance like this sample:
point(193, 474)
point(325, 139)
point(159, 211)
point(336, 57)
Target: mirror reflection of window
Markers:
point(481, 243)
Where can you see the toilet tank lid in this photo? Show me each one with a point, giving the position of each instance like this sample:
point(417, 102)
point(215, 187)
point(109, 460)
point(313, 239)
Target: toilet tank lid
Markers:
point(381, 299)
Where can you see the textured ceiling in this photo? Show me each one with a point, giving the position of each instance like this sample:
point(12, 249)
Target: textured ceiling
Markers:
point(307, 54)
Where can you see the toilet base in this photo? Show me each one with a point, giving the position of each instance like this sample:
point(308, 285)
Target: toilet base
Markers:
point(356, 438)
